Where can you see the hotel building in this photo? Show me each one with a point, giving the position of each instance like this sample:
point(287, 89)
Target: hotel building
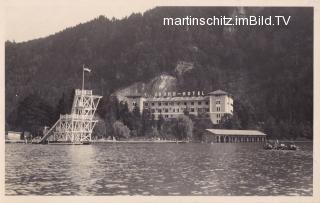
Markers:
point(171, 104)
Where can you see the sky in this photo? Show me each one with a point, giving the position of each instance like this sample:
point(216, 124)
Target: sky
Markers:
point(30, 19)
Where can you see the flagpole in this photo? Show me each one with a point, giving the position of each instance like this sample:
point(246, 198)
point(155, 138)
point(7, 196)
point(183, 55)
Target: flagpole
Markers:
point(82, 76)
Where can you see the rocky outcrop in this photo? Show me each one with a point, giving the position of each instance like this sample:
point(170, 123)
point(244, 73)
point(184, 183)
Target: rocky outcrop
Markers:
point(161, 83)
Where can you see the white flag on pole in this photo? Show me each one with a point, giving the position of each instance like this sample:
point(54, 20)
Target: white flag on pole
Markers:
point(87, 69)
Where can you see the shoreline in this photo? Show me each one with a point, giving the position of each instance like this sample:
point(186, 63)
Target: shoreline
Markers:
point(139, 142)
point(100, 141)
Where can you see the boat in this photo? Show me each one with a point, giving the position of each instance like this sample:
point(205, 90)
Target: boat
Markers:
point(293, 147)
point(268, 146)
point(277, 146)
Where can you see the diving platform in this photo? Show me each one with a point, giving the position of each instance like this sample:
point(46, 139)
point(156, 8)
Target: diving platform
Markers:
point(76, 127)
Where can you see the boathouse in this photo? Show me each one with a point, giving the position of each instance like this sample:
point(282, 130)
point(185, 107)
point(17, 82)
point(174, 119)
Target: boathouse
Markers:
point(225, 135)
point(12, 135)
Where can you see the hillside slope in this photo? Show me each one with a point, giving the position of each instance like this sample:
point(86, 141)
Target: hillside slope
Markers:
point(268, 69)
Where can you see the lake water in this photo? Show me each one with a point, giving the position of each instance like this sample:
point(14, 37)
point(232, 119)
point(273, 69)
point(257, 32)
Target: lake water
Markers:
point(157, 169)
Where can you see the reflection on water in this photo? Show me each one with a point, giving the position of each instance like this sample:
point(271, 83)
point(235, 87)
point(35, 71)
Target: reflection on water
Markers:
point(157, 169)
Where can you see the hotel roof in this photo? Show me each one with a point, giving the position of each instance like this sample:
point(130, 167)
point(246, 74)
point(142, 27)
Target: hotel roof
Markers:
point(218, 92)
point(198, 98)
point(235, 132)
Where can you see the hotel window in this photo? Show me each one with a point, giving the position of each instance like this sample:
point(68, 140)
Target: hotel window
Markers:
point(152, 111)
point(152, 104)
point(159, 111)
point(218, 115)
point(218, 108)
point(185, 103)
point(217, 102)
point(192, 103)
point(199, 103)
point(218, 121)
point(159, 103)
point(178, 103)
point(208, 109)
point(207, 103)
point(166, 103)
point(146, 103)
point(171, 103)
point(134, 103)
point(166, 116)
point(192, 109)
point(166, 110)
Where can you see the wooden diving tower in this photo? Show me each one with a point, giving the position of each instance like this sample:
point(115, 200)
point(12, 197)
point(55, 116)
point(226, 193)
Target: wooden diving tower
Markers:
point(75, 128)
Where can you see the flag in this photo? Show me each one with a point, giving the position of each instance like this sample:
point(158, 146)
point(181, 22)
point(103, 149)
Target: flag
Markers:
point(87, 69)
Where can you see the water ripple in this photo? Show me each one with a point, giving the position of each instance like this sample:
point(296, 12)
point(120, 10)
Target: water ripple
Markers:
point(157, 169)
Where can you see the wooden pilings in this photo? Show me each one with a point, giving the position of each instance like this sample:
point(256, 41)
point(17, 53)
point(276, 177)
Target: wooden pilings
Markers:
point(235, 139)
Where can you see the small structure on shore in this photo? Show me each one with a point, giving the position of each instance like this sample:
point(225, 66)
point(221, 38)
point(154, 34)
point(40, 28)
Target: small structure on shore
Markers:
point(225, 135)
point(13, 136)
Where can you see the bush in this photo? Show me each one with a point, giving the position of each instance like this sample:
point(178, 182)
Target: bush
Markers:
point(120, 130)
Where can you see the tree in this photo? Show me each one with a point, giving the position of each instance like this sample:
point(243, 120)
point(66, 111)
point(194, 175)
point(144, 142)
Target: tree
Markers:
point(244, 115)
point(230, 122)
point(146, 121)
point(111, 114)
point(271, 128)
point(135, 121)
point(99, 131)
point(183, 127)
point(284, 129)
point(124, 114)
point(120, 130)
point(101, 109)
point(201, 123)
point(62, 106)
point(155, 133)
point(33, 114)
point(160, 122)
point(168, 129)
point(307, 131)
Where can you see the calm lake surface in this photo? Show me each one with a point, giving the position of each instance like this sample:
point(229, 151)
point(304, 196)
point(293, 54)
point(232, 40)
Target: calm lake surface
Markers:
point(157, 169)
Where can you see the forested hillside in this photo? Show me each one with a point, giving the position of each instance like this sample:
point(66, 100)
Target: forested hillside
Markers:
point(268, 69)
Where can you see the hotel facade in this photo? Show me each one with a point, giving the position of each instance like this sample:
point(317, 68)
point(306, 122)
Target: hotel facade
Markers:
point(215, 104)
